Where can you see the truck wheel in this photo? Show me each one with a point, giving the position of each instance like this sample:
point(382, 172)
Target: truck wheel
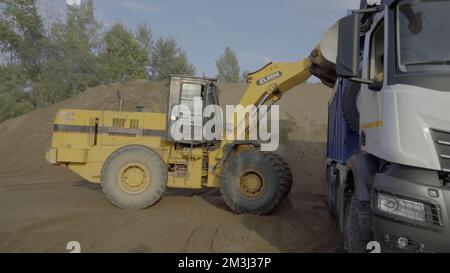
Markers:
point(134, 177)
point(330, 190)
point(357, 234)
point(254, 182)
point(350, 109)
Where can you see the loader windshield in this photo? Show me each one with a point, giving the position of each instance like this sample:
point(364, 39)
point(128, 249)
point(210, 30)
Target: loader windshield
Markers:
point(423, 30)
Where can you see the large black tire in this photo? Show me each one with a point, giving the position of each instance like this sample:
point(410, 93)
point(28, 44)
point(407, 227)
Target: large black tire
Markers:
point(141, 164)
point(330, 190)
point(358, 234)
point(255, 182)
point(350, 109)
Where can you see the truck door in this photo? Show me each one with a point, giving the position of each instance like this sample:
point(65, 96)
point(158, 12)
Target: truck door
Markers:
point(371, 96)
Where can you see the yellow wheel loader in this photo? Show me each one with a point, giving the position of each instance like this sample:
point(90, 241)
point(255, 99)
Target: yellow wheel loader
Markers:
point(135, 157)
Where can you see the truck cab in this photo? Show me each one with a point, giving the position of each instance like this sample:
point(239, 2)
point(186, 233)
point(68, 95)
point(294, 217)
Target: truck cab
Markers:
point(395, 187)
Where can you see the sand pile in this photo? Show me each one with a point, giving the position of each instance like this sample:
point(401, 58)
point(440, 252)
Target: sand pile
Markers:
point(43, 207)
point(25, 139)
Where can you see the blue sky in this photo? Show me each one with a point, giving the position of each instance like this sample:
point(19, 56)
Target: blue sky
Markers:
point(259, 31)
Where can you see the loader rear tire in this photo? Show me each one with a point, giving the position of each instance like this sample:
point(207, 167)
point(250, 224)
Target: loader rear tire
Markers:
point(256, 183)
point(134, 177)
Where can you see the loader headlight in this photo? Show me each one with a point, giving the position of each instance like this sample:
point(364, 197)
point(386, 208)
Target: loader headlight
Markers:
point(399, 207)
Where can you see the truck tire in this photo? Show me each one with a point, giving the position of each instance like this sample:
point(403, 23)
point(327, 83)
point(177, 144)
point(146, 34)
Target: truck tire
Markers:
point(134, 177)
point(254, 182)
point(350, 109)
point(330, 190)
point(357, 234)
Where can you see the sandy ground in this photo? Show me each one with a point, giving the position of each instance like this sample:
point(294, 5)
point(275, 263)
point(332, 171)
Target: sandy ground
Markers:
point(43, 207)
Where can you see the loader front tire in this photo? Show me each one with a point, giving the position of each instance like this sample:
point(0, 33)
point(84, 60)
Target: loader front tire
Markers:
point(255, 182)
point(134, 177)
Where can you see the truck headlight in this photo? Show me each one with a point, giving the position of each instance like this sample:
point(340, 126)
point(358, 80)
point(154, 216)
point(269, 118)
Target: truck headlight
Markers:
point(399, 207)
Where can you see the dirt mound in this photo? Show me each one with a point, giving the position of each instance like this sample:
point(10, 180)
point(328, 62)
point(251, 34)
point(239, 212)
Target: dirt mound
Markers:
point(44, 207)
point(26, 138)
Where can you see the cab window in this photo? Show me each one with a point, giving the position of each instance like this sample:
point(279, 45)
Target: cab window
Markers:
point(377, 54)
point(189, 92)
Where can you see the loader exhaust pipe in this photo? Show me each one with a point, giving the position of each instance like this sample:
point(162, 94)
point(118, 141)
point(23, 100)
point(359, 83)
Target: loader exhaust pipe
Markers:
point(120, 101)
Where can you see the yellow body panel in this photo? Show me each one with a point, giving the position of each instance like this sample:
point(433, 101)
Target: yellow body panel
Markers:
point(71, 155)
point(214, 175)
point(83, 140)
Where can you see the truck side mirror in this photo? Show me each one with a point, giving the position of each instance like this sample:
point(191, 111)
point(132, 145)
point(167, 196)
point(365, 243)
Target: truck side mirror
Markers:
point(376, 86)
point(347, 63)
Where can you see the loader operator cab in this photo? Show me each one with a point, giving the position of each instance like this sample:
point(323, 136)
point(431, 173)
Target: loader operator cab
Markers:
point(188, 98)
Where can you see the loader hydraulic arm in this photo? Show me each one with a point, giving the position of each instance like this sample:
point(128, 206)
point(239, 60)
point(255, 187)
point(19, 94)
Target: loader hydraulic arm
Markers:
point(269, 84)
point(266, 87)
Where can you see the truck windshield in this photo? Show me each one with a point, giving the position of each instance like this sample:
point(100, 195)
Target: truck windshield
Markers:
point(424, 36)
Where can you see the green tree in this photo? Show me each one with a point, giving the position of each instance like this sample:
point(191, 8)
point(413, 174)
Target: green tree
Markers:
point(71, 63)
point(168, 58)
point(144, 36)
point(124, 56)
point(22, 35)
point(228, 67)
point(41, 65)
point(23, 46)
point(14, 97)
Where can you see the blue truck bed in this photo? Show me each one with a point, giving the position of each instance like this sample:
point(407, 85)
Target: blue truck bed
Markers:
point(342, 141)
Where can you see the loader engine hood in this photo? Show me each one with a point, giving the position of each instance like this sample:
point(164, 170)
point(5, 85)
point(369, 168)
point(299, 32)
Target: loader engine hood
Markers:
point(76, 133)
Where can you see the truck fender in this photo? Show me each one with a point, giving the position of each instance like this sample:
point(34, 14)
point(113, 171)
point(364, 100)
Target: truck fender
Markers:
point(364, 167)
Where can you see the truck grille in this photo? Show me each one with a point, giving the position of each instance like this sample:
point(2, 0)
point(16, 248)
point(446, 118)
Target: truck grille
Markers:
point(442, 143)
